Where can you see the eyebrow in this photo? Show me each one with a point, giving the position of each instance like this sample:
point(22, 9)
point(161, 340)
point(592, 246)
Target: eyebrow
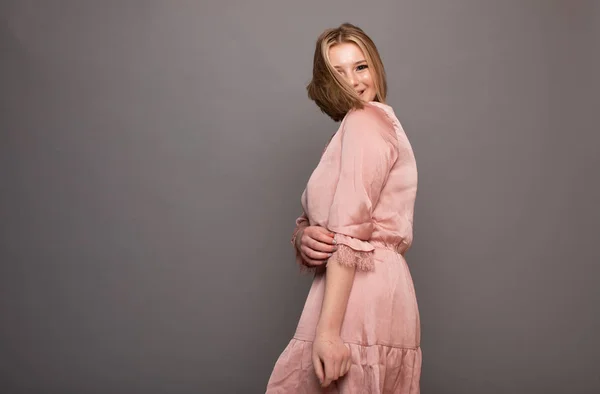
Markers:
point(355, 63)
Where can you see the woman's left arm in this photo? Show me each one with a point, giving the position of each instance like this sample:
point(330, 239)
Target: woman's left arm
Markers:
point(369, 150)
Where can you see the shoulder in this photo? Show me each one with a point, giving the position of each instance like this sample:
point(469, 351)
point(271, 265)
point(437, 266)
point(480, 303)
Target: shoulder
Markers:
point(370, 122)
point(369, 115)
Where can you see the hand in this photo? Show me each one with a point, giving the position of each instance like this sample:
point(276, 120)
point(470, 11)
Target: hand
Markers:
point(330, 357)
point(316, 245)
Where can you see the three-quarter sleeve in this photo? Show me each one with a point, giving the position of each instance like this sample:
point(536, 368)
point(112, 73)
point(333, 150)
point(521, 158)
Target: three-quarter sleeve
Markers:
point(368, 152)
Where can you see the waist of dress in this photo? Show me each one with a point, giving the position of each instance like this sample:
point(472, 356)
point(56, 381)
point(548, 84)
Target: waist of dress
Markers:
point(399, 248)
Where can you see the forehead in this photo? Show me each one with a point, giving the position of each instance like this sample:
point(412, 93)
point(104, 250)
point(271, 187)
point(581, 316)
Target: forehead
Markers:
point(346, 53)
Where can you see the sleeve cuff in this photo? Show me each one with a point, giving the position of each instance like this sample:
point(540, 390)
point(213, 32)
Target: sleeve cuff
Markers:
point(354, 243)
point(353, 252)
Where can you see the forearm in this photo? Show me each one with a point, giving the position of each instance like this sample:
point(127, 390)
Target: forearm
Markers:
point(338, 283)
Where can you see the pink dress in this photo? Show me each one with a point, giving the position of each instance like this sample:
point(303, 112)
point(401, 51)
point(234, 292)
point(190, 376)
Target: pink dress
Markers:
point(363, 190)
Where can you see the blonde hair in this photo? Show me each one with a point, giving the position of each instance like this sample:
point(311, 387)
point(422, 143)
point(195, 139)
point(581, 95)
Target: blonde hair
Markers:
point(332, 94)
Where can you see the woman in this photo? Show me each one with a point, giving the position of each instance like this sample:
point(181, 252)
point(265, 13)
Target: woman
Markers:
point(359, 331)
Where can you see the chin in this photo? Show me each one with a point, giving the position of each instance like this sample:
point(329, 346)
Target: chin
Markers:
point(366, 97)
point(369, 97)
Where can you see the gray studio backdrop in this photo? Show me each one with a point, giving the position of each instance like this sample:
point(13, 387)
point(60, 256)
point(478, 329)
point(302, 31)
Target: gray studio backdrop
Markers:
point(152, 156)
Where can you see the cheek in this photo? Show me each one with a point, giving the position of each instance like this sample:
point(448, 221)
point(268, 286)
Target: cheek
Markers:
point(367, 80)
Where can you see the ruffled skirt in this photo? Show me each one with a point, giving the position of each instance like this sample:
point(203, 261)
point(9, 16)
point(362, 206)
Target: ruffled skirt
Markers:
point(381, 326)
point(375, 369)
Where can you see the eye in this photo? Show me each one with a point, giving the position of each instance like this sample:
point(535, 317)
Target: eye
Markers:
point(362, 67)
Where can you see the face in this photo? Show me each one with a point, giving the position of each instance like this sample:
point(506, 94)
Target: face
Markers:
point(349, 61)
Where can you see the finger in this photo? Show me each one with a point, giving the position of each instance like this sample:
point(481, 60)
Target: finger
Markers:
point(319, 246)
point(316, 255)
point(346, 368)
point(315, 263)
point(337, 369)
point(320, 234)
point(318, 368)
point(307, 260)
point(323, 235)
point(329, 372)
point(312, 263)
point(347, 365)
point(343, 365)
point(348, 359)
point(313, 255)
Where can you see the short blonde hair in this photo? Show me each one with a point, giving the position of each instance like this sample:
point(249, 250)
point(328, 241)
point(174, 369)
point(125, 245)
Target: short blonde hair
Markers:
point(332, 94)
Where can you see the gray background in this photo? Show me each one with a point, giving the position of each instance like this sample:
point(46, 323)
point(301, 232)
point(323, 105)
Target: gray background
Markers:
point(152, 156)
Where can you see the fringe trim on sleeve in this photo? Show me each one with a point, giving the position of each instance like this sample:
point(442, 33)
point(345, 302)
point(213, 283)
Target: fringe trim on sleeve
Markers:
point(346, 256)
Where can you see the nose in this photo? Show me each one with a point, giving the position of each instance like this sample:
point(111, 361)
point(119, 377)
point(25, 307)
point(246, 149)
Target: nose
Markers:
point(353, 80)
